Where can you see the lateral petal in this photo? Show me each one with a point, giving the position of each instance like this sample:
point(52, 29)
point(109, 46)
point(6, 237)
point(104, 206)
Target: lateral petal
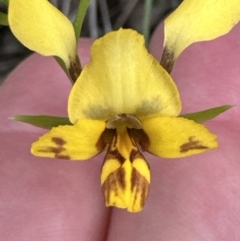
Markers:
point(42, 28)
point(78, 142)
point(172, 137)
point(195, 21)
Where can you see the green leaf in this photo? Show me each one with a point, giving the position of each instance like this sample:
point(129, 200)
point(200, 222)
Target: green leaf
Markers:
point(5, 1)
point(208, 114)
point(81, 13)
point(3, 19)
point(43, 121)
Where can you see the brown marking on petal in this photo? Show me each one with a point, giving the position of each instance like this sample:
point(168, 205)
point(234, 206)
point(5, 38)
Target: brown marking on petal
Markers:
point(139, 186)
point(134, 154)
point(57, 150)
point(58, 141)
point(167, 59)
point(74, 69)
point(105, 138)
point(110, 185)
point(134, 178)
point(113, 182)
point(192, 145)
point(114, 154)
point(145, 191)
point(137, 154)
point(140, 137)
point(109, 135)
point(120, 176)
point(66, 157)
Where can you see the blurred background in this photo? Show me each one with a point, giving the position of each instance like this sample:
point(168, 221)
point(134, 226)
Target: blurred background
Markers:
point(103, 16)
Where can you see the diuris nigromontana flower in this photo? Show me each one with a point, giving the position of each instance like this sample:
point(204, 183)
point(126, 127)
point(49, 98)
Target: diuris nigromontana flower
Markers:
point(124, 102)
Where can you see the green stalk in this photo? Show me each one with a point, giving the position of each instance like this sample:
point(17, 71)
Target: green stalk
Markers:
point(77, 25)
point(80, 15)
point(3, 19)
point(146, 19)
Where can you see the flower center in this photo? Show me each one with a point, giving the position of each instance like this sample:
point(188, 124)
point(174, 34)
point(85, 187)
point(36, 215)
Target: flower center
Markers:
point(130, 121)
point(124, 133)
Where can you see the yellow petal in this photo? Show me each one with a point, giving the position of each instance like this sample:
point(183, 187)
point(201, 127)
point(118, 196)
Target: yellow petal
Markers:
point(125, 175)
point(122, 78)
point(79, 142)
point(125, 187)
point(172, 137)
point(43, 28)
point(196, 20)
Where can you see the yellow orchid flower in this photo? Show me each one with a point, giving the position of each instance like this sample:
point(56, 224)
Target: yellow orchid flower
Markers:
point(195, 21)
point(124, 102)
point(42, 28)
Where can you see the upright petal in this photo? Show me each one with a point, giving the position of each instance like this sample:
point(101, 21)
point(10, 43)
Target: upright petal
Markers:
point(43, 28)
point(122, 78)
point(78, 142)
point(195, 21)
point(172, 137)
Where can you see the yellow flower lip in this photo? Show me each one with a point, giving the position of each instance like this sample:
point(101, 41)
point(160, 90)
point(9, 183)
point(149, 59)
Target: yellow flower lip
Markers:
point(125, 175)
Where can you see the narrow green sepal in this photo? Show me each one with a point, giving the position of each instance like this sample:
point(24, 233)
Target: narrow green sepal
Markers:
point(208, 114)
point(43, 121)
point(3, 19)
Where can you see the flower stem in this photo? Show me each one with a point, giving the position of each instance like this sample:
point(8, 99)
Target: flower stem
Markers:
point(147, 18)
point(80, 15)
point(3, 19)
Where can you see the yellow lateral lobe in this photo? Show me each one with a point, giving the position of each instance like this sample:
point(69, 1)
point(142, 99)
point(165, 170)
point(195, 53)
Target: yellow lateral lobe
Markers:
point(77, 142)
point(173, 137)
